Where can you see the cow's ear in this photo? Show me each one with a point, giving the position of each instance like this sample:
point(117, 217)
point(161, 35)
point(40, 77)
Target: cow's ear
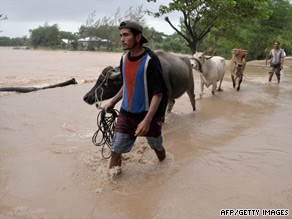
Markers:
point(246, 51)
point(208, 57)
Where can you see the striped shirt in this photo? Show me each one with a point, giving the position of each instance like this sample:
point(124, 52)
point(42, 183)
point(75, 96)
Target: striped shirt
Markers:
point(142, 79)
point(135, 84)
point(276, 56)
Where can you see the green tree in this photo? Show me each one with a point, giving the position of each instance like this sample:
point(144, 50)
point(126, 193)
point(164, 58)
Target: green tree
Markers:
point(72, 40)
point(18, 41)
point(277, 27)
point(5, 41)
point(175, 43)
point(45, 36)
point(200, 16)
point(154, 37)
point(37, 36)
point(254, 35)
point(67, 35)
point(51, 35)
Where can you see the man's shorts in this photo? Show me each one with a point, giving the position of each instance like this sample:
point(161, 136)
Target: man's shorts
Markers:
point(128, 125)
point(123, 143)
point(124, 138)
point(275, 69)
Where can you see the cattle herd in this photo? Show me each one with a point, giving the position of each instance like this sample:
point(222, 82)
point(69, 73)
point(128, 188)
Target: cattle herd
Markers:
point(178, 76)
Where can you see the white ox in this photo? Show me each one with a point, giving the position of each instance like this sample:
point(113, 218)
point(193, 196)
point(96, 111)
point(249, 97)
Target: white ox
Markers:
point(211, 68)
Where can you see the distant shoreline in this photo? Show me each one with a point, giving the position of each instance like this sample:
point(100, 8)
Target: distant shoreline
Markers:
point(102, 51)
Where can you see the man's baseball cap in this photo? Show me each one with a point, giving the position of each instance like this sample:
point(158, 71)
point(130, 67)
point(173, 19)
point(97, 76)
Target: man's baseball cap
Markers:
point(129, 24)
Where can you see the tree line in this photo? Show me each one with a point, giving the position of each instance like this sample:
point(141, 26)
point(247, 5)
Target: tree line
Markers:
point(215, 27)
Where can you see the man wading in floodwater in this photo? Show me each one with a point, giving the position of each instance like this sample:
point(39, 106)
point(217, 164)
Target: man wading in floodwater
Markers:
point(143, 93)
point(277, 61)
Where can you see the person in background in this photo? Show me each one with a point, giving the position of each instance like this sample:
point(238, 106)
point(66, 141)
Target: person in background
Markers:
point(277, 61)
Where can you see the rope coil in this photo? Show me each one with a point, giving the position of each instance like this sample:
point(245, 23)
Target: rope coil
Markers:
point(106, 125)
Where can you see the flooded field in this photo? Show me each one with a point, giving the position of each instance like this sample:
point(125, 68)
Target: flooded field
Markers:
point(234, 152)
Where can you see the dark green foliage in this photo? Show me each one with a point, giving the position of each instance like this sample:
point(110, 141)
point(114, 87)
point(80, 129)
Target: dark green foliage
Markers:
point(51, 36)
point(199, 17)
point(18, 41)
point(45, 36)
point(254, 35)
point(175, 43)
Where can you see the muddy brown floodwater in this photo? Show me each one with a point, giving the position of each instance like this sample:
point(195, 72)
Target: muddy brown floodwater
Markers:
point(234, 152)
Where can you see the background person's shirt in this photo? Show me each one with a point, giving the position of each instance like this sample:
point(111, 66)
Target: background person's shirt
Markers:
point(276, 56)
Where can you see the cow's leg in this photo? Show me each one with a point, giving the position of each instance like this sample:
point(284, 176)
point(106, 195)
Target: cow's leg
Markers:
point(219, 88)
point(192, 96)
point(214, 85)
point(170, 105)
point(239, 82)
point(233, 80)
point(202, 89)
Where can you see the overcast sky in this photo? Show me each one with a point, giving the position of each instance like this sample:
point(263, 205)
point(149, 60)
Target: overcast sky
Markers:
point(71, 14)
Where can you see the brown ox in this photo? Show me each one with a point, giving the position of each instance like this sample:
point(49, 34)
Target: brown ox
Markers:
point(237, 66)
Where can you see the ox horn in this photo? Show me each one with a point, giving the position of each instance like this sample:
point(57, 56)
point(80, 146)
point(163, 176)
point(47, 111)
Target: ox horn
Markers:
point(115, 73)
point(208, 57)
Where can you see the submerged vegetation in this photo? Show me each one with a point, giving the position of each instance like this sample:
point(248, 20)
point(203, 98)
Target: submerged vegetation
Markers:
point(215, 27)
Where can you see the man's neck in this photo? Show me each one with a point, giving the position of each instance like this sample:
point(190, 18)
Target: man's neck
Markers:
point(136, 51)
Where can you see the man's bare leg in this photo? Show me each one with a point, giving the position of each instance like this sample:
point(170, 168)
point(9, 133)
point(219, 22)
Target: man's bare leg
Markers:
point(160, 154)
point(278, 77)
point(115, 160)
point(270, 75)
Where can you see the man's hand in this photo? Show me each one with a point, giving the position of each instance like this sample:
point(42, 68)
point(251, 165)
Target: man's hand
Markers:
point(114, 100)
point(143, 128)
point(109, 106)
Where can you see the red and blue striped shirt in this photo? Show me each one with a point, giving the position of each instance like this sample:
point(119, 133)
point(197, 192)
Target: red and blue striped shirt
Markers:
point(142, 78)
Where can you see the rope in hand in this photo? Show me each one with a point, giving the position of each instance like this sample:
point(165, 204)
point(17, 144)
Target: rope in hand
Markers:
point(106, 125)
